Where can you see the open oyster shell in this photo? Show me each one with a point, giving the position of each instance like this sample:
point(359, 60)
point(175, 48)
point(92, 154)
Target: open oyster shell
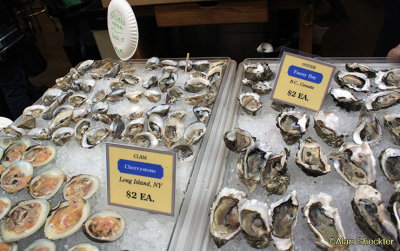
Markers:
point(394, 206)
point(292, 125)
point(152, 63)
point(311, 159)
point(253, 217)
point(238, 140)
point(372, 217)
point(368, 128)
point(382, 100)
point(155, 125)
point(324, 221)
point(24, 219)
point(389, 160)
point(361, 68)
point(258, 72)
point(250, 102)
point(184, 152)
point(345, 99)
point(92, 137)
point(283, 218)
point(224, 215)
point(276, 176)
point(388, 79)
point(355, 81)
point(249, 166)
point(326, 125)
point(392, 123)
point(356, 164)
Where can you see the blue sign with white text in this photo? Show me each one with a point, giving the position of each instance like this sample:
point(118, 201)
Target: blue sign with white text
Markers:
point(311, 76)
point(140, 168)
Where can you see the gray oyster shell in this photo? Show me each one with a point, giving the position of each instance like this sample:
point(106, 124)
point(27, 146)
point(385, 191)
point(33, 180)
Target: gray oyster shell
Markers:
point(182, 65)
point(372, 217)
point(389, 160)
point(179, 114)
point(87, 85)
point(99, 96)
point(249, 166)
point(311, 159)
point(100, 107)
point(276, 177)
point(33, 111)
point(161, 110)
point(368, 128)
point(214, 75)
point(250, 102)
point(194, 132)
point(201, 65)
point(173, 131)
point(134, 112)
point(130, 78)
point(195, 85)
point(392, 123)
point(39, 134)
point(184, 152)
point(292, 125)
point(202, 113)
point(355, 81)
point(62, 119)
point(356, 164)
point(152, 82)
point(382, 100)
point(283, 218)
point(152, 95)
point(116, 95)
point(152, 63)
point(116, 84)
point(238, 140)
point(174, 94)
point(324, 221)
point(205, 98)
point(326, 125)
point(389, 79)
point(117, 127)
point(258, 72)
point(361, 68)
point(254, 220)
point(77, 100)
point(224, 215)
point(345, 99)
point(51, 95)
point(167, 80)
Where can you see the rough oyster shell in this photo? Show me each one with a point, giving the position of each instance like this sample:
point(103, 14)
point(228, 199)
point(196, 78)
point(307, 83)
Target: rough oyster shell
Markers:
point(392, 123)
point(152, 82)
point(28, 123)
point(24, 219)
point(56, 228)
point(324, 221)
point(62, 119)
point(250, 164)
point(39, 134)
point(13, 132)
point(382, 100)
point(326, 125)
point(5, 142)
point(258, 72)
point(224, 215)
point(202, 113)
point(113, 221)
point(311, 159)
point(116, 95)
point(361, 68)
point(173, 131)
point(99, 96)
point(368, 128)
point(253, 218)
point(134, 112)
point(201, 65)
point(214, 75)
point(195, 85)
point(292, 125)
point(283, 218)
point(161, 110)
point(167, 80)
point(355, 81)
point(153, 96)
point(389, 79)
point(62, 135)
point(51, 95)
point(100, 107)
point(77, 100)
point(345, 99)
point(276, 177)
point(371, 215)
point(92, 137)
point(205, 98)
point(46, 184)
point(238, 140)
point(152, 63)
point(356, 164)
point(174, 94)
point(389, 160)
point(33, 111)
point(250, 102)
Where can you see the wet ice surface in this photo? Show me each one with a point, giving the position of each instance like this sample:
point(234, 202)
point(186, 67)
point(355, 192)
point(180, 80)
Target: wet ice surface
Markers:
point(263, 127)
point(144, 231)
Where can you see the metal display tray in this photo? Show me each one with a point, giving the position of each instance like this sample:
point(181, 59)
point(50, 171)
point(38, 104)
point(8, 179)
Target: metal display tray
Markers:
point(220, 169)
point(156, 230)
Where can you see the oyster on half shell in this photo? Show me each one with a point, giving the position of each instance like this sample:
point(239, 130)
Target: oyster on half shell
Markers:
point(326, 125)
point(389, 160)
point(345, 99)
point(324, 221)
point(276, 176)
point(368, 128)
point(253, 217)
point(356, 164)
point(392, 123)
point(250, 102)
point(355, 81)
point(361, 68)
point(372, 217)
point(283, 218)
point(224, 215)
point(388, 79)
point(382, 100)
point(311, 159)
point(292, 125)
point(238, 140)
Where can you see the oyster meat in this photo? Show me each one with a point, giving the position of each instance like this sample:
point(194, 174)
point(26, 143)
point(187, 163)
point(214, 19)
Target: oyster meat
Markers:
point(250, 102)
point(276, 177)
point(389, 160)
point(311, 159)
point(382, 100)
point(132, 128)
point(324, 221)
point(104, 226)
point(292, 125)
point(46, 184)
point(388, 79)
point(195, 85)
point(24, 219)
point(283, 218)
point(368, 128)
point(361, 68)
point(356, 164)
point(326, 125)
point(224, 215)
point(205, 98)
point(253, 218)
point(152, 82)
point(392, 123)
point(81, 128)
point(372, 217)
point(355, 81)
point(77, 100)
point(238, 140)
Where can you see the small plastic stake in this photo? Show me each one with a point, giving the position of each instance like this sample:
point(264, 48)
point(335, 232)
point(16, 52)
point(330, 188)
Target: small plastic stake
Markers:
point(187, 60)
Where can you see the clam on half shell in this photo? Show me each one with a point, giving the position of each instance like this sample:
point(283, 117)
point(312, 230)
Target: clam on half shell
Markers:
point(41, 244)
point(105, 226)
point(81, 186)
point(46, 184)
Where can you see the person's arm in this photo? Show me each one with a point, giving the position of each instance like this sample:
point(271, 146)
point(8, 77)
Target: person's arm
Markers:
point(395, 54)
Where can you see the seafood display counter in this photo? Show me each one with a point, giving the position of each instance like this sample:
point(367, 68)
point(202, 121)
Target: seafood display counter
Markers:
point(61, 139)
point(288, 178)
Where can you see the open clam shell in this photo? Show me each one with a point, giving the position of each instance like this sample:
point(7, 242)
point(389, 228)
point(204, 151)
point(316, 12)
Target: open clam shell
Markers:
point(16, 176)
point(104, 226)
point(81, 186)
point(5, 206)
point(84, 247)
point(39, 155)
point(41, 244)
point(46, 184)
point(15, 151)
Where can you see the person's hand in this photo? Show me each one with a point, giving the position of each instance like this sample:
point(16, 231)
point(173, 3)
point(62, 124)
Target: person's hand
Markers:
point(395, 54)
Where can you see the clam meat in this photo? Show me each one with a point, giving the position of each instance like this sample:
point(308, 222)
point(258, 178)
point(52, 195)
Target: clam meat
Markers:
point(46, 184)
point(39, 155)
point(104, 226)
point(5, 206)
point(15, 151)
point(82, 186)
